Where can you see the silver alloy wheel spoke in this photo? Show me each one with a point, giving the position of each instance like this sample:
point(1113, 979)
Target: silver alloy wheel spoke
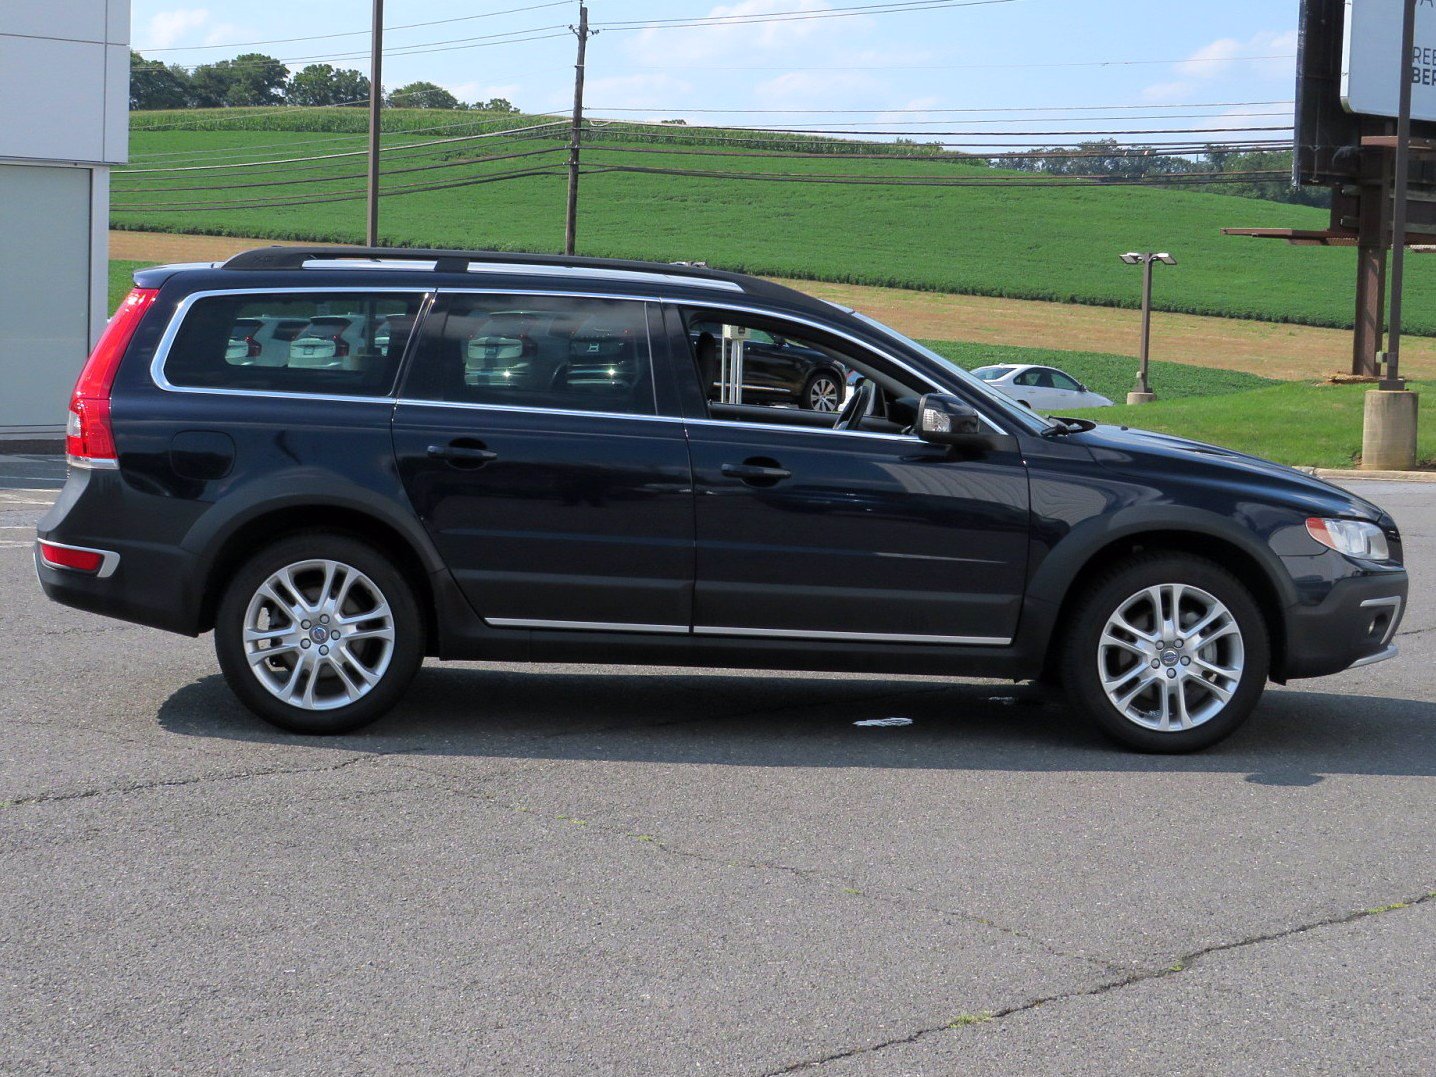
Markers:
point(823, 395)
point(1170, 657)
point(318, 634)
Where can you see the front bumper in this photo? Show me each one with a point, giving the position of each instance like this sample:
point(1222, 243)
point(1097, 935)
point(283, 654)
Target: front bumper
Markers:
point(1355, 625)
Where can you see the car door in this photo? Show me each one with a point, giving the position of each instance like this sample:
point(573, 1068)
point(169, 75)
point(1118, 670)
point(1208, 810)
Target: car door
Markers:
point(809, 532)
point(557, 502)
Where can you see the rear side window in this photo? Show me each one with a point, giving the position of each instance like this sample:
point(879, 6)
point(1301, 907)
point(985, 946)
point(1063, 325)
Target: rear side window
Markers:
point(538, 352)
point(340, 343)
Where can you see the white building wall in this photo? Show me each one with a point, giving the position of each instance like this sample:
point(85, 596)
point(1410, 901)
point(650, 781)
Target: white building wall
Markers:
point(64, 118)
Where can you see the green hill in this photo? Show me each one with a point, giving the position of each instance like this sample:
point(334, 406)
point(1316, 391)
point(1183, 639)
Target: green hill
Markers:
point(1034, 243)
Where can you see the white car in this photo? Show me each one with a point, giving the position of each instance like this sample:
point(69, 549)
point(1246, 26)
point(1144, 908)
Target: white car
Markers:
point(1041, 388)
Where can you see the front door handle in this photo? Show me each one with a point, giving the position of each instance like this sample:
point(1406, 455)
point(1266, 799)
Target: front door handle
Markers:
point(463, 452)
point(757, 472)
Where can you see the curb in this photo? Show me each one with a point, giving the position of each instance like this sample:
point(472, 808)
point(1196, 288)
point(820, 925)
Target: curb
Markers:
point(1370, 476)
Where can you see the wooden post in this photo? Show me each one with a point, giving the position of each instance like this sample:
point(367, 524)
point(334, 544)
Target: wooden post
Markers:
point(570, 228)
point(376, 103)
point(1371, 249)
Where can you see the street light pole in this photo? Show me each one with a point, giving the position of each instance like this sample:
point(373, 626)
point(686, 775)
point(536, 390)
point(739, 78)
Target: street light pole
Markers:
point(1143, 394)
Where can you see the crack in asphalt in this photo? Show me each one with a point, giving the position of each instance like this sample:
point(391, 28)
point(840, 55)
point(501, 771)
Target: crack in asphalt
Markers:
point(816, 876)
point(1182, 964)
point(125, 788)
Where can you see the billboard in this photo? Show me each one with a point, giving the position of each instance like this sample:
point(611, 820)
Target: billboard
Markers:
point(1371, 58)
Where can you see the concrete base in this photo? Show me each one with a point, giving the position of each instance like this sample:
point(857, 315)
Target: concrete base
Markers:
point(1388, 435)
point(1141, 398)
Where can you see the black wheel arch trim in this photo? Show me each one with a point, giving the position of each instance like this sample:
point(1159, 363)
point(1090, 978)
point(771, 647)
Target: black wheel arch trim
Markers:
point(1064, 567)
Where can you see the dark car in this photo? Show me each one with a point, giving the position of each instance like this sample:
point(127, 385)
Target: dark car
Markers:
point(776, 369)
point(519, 459)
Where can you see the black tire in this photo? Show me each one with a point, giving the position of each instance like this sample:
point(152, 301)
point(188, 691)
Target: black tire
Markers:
point(1084, 661)
point(810, 393)
point(399, 661)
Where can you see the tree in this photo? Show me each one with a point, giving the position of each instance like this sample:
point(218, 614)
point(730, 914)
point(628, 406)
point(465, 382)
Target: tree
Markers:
point(249, 79)
point(321, 84)
point(496, 104)
point(157, 85)
point(422, 95)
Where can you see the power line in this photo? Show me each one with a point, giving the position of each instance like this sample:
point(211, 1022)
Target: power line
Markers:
point(969, 108)
point(972, 67)
point(353, 33)
point(799, 16)
point(335, 156)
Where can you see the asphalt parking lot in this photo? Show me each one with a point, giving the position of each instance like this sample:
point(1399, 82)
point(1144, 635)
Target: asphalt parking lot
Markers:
point(584, 870)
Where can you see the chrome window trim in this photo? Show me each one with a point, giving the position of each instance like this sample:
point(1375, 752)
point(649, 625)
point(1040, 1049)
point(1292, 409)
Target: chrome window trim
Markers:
point(853, 637)
point(532, 409)
point(586, 626)
point(832, 330)
point(182, 309)
point(911, 439)
point(109, 559)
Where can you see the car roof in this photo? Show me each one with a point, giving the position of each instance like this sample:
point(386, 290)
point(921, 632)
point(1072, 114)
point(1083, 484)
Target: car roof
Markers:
point(327, 266)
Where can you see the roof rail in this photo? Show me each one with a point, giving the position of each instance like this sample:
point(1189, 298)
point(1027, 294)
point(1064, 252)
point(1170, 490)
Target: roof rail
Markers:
point(451, 261)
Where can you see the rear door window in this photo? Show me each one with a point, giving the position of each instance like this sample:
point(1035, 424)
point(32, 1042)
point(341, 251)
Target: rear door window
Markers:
point(330, 343)
point(538, 352)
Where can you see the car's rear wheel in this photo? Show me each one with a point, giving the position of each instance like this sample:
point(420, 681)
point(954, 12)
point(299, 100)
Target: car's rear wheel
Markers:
point(319, 633)
point(1166, 653)
point(824, 392)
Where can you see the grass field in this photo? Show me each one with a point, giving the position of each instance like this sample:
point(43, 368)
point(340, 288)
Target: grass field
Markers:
point(1033, 243)
point(1302, 423)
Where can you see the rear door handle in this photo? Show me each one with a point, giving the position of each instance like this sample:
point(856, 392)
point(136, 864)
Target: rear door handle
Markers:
point(463, 452)
point(761, 474)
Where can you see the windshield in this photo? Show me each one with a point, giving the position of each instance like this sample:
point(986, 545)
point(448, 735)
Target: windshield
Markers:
point(991, 373)
point(998, 400)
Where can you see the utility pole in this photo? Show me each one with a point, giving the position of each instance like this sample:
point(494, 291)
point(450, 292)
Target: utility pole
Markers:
point(570, 228)
point(376, 101)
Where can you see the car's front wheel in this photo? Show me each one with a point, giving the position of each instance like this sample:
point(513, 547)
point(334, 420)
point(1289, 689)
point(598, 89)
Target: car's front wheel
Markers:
point(1166, 653)
point(319, 633)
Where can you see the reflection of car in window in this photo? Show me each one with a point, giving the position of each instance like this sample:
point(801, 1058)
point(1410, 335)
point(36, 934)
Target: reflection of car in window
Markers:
point(327, 341)
point(261, 340)
point(781, 370)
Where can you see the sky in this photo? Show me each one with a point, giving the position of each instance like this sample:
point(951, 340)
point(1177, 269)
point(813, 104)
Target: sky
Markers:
point(1152, 59)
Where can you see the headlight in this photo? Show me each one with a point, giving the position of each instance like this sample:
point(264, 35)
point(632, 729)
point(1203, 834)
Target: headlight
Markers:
point(1355, 538)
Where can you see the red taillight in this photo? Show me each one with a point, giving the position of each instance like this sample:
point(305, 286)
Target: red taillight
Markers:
point(87, 434)
point(341, 346)
point(253, 350)
point(64, 557)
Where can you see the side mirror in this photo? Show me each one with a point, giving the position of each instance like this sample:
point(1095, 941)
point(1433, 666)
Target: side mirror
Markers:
point(946, 420)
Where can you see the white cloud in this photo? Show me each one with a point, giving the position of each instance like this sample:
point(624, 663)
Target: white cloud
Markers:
point(226, 31)
point(719, 43)
point(1218, 59)
point(169, 28)
point(814, 89)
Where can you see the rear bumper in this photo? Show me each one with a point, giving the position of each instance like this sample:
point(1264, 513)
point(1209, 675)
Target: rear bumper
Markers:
point(146, 577)
point(1353, 626)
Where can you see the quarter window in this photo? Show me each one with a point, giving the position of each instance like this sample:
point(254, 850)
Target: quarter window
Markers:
point(538, 352)
point(344, 344)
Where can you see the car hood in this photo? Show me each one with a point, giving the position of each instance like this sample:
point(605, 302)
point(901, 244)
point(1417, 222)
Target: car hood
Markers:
point(1125, 448)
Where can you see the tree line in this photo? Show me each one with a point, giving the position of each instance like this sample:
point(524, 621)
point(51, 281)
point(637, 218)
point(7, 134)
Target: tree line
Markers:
point(1108, 157)
point(256, 79)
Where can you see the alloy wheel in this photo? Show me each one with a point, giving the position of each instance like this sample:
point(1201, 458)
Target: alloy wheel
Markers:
point(1170, 657)
point(318, 634)
point(823, 394)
